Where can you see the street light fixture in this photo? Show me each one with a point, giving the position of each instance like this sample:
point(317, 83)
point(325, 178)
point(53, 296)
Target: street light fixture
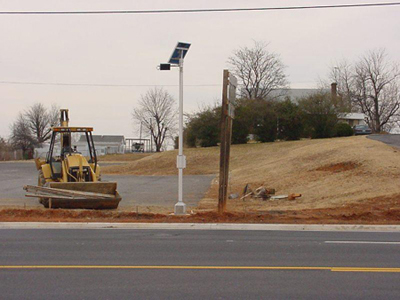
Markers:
point(176, 60)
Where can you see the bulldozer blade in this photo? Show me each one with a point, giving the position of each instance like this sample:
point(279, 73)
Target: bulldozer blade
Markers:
point(84, 195)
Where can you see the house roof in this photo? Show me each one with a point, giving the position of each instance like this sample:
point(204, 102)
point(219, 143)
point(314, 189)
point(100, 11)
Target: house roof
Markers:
point(352, 116)
point(294, 94)
point(105, 139)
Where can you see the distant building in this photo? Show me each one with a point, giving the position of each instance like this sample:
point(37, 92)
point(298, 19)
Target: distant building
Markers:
point(41, 152)
point(352, 119)
point(104, 144)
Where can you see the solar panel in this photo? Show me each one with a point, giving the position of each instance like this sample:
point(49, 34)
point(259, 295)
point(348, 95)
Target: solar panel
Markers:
point(180, 51)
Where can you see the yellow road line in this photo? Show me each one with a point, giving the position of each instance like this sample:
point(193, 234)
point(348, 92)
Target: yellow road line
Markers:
point(390, 270)
point(333, 269)
point(168, 267)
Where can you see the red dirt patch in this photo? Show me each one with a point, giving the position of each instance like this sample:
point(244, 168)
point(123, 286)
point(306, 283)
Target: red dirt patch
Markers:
point(383, 210)
point(339, 167)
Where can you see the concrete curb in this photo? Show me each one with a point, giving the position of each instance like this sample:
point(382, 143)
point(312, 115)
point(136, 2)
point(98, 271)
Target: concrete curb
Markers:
point(199, 226)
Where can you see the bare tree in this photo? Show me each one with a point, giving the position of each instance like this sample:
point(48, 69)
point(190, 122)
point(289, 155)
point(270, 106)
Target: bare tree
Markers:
point(40, 119)
point(21, 136)
point(33, 127)
point(259, 71)
point(342, 75)
point(156, 112)
point(4, 145)
point(373, 87)
point(54, 115)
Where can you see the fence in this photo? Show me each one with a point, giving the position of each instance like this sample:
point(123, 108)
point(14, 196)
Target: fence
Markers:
point(11, 155)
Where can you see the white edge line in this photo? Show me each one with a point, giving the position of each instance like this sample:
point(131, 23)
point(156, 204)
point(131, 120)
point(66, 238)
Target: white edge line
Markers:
point(199, 226)
point(362, 242)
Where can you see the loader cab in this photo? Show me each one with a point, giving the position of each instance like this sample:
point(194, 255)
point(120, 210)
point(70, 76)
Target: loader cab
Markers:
point(56, 158)
point(66, 144)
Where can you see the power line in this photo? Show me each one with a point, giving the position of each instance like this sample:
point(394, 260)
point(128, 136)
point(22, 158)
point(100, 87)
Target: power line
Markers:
point(102, 84)
point(205, 10)
point(116, 85)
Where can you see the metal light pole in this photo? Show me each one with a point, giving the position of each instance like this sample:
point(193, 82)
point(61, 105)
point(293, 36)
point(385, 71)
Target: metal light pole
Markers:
point(176, 60)
point(180, 207)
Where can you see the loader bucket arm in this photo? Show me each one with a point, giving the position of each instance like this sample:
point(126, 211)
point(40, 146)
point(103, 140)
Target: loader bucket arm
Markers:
point(49, 157)
point(92, 150)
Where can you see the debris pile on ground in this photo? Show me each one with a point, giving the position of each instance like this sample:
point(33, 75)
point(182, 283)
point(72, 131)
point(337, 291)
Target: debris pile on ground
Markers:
point(264, 193)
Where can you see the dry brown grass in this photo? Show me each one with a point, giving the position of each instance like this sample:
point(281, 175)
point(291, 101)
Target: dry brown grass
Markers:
point(200, 161)
point(328, 172)
point(123, 157)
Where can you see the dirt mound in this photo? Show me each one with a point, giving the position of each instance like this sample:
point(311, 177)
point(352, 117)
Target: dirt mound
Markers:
point(327, 172)
point(339, 167)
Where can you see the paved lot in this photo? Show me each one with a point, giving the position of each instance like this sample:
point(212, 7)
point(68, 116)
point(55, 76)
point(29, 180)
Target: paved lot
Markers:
point(135, 190)
point(390, 139)
point(138, 259)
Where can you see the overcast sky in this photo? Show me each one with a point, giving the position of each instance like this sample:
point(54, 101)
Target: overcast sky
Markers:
point(126, 49)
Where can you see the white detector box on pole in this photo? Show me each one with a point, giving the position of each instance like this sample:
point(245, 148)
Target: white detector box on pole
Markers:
point(181, 161)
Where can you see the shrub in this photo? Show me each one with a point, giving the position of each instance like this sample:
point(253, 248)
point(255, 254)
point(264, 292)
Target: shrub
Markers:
point(343, 129)
point(264, 121)
point(242, 123)
point(203, 128)
point(320, 115)
point(254, 116)
point(290, 121)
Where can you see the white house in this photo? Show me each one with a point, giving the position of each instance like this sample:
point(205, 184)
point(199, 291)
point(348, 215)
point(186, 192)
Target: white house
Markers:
point(352, 119)
point(104, 144)
point(41, 152)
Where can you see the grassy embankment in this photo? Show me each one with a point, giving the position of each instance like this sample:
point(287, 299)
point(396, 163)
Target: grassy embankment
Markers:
point(327, 172)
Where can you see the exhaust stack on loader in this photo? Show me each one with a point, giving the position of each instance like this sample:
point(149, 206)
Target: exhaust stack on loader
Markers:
point(68, 179)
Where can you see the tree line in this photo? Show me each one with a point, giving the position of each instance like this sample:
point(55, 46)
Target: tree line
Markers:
point(369, 85)
point(32, 128)
point(314, 116)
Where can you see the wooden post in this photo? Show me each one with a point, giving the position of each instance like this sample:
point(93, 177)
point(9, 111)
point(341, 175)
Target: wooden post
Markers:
point(225, 146)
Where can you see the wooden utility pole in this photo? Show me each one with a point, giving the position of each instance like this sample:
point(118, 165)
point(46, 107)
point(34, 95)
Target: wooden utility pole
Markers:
point(227, 114)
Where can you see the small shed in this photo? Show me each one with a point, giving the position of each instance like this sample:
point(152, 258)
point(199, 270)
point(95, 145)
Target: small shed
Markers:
point(104, 144)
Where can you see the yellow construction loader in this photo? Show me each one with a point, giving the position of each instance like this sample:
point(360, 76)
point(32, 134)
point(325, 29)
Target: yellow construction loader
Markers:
point(68, 178)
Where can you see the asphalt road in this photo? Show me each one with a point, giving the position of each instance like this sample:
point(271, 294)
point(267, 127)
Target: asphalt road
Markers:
point(137, 260)
point(390, 139)
point(135, 190)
